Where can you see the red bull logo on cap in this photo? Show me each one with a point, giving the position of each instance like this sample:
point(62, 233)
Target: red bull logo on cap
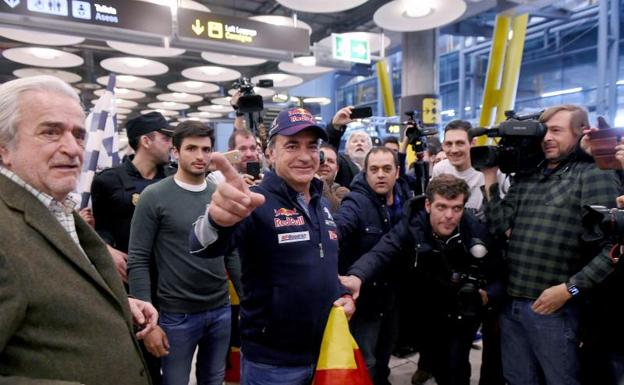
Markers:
point(285, 212)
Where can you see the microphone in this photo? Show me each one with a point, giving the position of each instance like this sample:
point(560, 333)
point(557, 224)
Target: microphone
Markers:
point(477, 131)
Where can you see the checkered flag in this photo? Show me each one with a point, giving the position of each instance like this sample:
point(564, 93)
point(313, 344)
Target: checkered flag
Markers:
point(102, 149)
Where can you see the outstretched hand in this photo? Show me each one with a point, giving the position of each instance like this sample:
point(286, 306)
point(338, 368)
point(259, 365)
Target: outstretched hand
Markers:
point(342, 117)
point(233, 201)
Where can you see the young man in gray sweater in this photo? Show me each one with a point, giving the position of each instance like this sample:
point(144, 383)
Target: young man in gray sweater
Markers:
point(192, 292)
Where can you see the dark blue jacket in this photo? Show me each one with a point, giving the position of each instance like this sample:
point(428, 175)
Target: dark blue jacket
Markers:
point(413, 234)
point(289, 266)
point(362, 220)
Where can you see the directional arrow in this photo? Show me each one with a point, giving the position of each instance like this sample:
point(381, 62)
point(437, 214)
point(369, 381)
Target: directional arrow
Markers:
point(12, 3)
point(198, 28)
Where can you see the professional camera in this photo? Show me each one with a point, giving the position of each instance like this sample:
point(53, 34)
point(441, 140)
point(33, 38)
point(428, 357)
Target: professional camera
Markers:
point(603, 223)
point(248, 100)
point(519, 148)
point(469, 302)
point(417, 133)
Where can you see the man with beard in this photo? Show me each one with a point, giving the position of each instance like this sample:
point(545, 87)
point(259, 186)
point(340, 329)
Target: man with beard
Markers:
point(244, 142)
point(192, 292)
point(115, 191)
point(358, 145)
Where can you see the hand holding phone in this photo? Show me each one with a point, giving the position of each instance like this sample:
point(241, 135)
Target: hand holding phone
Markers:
point(361, 112)
point(253, 169)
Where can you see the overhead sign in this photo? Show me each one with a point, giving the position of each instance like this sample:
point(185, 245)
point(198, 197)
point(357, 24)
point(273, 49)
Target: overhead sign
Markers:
point(350, 49)
point(241, 32)
point(130, 15)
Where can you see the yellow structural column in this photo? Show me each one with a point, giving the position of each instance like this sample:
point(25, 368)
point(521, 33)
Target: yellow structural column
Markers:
point(511, 72)
point(386, 88)
point(501, 80)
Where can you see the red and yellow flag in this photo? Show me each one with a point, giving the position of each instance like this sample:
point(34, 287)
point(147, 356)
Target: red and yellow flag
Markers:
point(340, 361)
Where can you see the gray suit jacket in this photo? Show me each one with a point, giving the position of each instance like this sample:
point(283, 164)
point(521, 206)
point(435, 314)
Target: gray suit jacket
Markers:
point(62, 320)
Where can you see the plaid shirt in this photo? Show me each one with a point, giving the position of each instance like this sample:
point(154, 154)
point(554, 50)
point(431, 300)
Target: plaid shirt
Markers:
point(544, 214)
point(62, 211)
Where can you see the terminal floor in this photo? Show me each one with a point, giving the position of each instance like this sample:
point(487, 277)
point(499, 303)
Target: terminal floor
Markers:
point(402, 369)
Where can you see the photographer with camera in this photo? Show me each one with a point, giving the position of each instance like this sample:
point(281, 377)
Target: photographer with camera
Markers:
point(456, 265)
point(602, 351)
point(542, 215)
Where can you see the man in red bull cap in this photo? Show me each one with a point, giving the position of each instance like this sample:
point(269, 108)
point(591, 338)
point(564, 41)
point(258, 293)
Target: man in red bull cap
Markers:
point(288, 247)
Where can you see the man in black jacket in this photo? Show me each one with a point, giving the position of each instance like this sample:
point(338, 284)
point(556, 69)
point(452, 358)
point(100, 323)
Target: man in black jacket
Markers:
point(364, 216)
point(115, 191)
point(451, 252)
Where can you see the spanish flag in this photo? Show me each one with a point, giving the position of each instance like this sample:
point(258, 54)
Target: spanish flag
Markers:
point(340, 361)
point(232, 365)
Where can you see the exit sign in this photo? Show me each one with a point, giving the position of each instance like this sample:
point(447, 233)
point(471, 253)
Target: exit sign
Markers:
point(350, 49)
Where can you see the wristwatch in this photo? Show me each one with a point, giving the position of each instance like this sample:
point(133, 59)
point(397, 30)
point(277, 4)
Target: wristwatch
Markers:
point(572, 289)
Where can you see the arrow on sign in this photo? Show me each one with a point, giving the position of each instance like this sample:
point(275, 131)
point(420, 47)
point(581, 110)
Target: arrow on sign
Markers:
point(360, 50)
point(12, 3)
point(197, 27)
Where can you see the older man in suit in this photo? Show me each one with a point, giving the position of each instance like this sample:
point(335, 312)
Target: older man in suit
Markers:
point(64, 315)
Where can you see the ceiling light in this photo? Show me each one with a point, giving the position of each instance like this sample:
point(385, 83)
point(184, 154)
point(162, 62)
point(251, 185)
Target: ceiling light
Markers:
point(180, 95)
point(562, 92)
point(416, 8)
point(212, 71)
point(44, 53)
point(170, 104)
point(308, 61)
point(193, 84)
point(322, 101)
point(135, 62)
point(280, 98)
point(126, 78)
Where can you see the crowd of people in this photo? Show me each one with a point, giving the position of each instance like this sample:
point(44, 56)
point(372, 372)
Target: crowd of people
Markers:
point(421, 255)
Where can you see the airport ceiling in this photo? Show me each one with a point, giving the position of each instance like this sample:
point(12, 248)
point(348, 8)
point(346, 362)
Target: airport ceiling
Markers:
point(477, 20)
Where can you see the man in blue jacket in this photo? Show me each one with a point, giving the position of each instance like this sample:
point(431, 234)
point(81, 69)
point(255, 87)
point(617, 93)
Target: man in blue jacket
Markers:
point(364, 216)
point(288, 244)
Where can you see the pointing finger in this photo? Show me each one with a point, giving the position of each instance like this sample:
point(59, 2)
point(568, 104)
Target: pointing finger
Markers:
point(221, 163)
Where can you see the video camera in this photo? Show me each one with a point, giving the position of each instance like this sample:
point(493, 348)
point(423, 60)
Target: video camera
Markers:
point(417, 133)
point(519, 148)
point(248, 100)
point(604, 224)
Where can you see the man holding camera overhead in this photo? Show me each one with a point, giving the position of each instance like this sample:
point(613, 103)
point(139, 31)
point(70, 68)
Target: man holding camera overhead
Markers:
point(548, 269)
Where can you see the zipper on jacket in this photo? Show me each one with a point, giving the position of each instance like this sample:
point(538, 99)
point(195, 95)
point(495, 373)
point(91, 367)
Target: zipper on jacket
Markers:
point(321, 249)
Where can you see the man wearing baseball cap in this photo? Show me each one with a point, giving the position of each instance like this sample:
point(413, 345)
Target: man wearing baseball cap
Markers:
point(288, 245)
point(115, 192)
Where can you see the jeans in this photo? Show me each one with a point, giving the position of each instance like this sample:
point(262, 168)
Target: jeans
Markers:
point(450, 355)
point(533, 342)
point(210, 331)
point(375, 334)
point(256, 373)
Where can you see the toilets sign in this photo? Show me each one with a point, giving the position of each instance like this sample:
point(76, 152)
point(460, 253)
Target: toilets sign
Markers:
point(128, 15)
